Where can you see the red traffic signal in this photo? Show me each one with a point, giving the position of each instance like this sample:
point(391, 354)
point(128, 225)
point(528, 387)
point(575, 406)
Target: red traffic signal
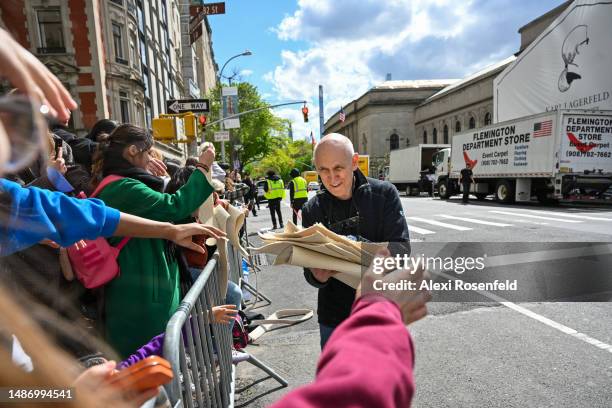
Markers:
point(202, 120)
point(305, 113)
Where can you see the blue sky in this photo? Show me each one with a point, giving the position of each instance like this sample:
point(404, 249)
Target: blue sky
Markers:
point(349, 45)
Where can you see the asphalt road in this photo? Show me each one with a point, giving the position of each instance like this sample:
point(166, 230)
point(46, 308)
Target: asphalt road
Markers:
point(491, 353)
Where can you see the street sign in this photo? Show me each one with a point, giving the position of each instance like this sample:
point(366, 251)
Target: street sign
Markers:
point(222, 136)
point(187, 105)
point(195, 34)
point(206, 9)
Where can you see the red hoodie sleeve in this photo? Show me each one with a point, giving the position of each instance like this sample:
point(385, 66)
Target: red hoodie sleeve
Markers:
point(367, 362)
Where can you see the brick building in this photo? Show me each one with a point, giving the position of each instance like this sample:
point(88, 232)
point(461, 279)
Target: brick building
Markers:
point(119, 59)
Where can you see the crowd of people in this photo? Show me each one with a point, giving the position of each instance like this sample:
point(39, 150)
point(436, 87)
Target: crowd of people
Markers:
point(57, 334)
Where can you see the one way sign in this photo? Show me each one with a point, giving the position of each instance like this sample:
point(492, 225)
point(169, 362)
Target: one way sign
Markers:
point(187, 105)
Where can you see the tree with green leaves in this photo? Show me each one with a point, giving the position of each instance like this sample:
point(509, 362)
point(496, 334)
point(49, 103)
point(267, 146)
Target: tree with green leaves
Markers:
point(288, 155)
point(258, 132)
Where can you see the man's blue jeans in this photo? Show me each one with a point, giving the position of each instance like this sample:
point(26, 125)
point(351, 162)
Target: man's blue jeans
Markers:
point(325, 332)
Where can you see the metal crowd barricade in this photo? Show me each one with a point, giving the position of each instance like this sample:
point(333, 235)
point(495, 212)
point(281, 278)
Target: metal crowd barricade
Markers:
point(198, 349)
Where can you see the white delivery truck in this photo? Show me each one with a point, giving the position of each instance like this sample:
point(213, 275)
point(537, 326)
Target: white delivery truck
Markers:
point(560, 155)
point(407, 165)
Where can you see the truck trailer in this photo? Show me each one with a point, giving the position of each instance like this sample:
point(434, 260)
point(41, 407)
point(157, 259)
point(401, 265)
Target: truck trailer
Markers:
point(563, 155)
point(407, 166)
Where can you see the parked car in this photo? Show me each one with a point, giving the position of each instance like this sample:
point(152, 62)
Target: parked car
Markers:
point(261, 191)
point(313, 186)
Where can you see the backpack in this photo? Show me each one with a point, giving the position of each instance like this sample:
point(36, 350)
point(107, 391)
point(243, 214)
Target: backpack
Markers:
point(240, 335)
point(94, 262)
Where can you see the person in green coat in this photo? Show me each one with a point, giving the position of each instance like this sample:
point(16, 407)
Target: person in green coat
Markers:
point(139, 302)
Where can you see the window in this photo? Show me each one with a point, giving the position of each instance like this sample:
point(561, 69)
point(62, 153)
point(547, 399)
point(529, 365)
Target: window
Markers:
point(124, 105)
point(487, 119)
point(394, 142)
point(141, 22)
point(457, 127)
point(425, 137)
point(50, 31)
point(133, 55)
point(164, 13)
point(445, 134)
point(435, 136)
point(145, 82)
point(472, 122)
point(143, 53)
point(118, 44)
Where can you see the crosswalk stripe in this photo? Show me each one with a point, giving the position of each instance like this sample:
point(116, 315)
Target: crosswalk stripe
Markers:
point(475, 221)
point(422, 231)
point(583, 217)
point(535, 216)
point(440, 224)
point(498, 217)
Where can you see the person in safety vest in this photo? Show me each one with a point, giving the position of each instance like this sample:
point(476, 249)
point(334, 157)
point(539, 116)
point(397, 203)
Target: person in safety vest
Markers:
point(298, 193)
point(274, 193)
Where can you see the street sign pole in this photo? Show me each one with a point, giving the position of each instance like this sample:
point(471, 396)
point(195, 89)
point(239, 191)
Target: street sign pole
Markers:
point(221, 119)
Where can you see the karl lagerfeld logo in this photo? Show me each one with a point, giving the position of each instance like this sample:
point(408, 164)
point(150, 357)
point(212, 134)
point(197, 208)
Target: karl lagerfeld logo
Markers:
point(570, 49)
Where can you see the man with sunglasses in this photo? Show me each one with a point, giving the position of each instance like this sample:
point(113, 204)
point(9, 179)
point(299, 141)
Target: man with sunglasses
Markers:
point(353, 205)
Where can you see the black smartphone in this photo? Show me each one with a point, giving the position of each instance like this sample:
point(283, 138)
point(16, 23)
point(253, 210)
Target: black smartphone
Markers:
point(58, 145)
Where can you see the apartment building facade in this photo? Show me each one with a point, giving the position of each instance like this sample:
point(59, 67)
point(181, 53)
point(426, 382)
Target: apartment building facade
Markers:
point(120, 59)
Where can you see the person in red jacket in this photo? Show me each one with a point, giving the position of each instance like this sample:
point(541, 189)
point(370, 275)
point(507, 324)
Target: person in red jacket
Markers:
point(369, 359)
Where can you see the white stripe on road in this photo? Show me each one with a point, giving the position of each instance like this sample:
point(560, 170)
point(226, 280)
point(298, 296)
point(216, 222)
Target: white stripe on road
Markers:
point(534, 216)
point(423, 231)
point(583, 217)
point(498, 217)
point(440, 224)
point(550, 323)
point(475, 221)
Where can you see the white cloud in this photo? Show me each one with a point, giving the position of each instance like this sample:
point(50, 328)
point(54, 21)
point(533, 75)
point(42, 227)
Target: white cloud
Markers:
point(352, 45)
point(246, 72)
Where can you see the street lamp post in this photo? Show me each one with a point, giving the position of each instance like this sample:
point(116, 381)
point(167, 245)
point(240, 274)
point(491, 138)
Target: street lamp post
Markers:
point(244, 53)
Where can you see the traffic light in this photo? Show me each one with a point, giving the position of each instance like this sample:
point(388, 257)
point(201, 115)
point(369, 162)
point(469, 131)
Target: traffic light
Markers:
point(202, 121)
point(305, 113)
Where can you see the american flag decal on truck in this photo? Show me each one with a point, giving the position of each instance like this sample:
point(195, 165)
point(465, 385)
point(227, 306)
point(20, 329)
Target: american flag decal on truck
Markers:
point(542, 128)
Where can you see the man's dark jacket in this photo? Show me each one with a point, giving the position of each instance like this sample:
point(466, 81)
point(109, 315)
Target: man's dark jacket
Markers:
point(381, 220)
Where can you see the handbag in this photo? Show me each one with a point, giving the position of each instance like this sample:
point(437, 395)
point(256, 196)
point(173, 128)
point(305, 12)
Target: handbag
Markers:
point(196, 259)
point(94, 262)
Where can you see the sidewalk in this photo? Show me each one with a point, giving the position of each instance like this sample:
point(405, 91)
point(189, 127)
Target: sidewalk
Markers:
point(292, 352)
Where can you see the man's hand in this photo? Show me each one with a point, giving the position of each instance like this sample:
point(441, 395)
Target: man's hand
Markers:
point(412, 303)
point(322, 275)
point(181, 234)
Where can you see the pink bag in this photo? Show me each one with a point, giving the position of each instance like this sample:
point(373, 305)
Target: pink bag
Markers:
point(94, 262)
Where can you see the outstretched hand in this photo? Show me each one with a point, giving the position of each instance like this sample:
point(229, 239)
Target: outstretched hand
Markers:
point(224, 313)
point(25, 72)
point(182, 233)
point(412, 303)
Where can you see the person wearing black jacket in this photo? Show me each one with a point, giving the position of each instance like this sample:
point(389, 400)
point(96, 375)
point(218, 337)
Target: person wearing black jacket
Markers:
point(250, 196)
point(353, 205)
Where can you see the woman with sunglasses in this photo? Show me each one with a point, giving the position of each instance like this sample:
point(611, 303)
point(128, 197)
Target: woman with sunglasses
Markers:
point(139, 303)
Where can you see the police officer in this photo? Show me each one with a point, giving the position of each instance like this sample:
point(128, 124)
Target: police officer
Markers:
point(298, 193)
point(274, 193)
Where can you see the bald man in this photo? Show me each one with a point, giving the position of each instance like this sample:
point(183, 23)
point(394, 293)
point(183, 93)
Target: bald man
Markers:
point(352, 205)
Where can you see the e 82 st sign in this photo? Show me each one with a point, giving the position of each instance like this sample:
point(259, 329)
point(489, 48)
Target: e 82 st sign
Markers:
point(187, 105)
